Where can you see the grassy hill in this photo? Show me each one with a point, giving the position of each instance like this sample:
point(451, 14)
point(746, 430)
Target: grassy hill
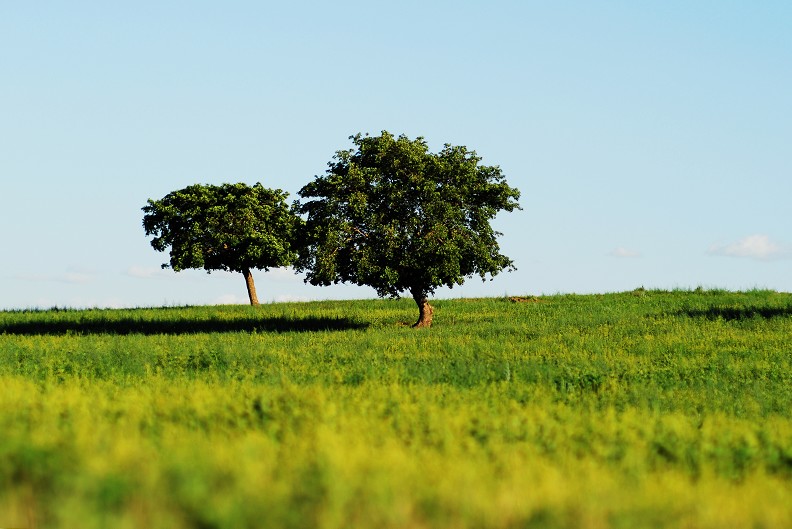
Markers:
point(638, 409)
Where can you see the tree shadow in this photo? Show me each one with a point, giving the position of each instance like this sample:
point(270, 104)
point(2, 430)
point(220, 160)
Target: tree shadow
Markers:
point(126, 326)
point(738, 313)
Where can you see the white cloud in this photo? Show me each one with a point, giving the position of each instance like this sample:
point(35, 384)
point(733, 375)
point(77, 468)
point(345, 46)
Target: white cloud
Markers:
point(753, 247)
point(148, 272)
point(622, 252)
point(284, 298)
point(235, 299)
point(91, 302)
point(79, 302)
point(283, 274)
point(231, 299)
point(78, 278)
point(280, 275)
point(71, 277)
point(33, 277)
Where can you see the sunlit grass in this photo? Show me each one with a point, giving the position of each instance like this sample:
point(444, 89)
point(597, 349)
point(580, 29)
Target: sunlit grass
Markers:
point(641, 409)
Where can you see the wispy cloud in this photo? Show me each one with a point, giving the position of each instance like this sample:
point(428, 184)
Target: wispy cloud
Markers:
point(155, 272)
point(759, 247)
point(33, 277)
point(284, 298)
point(235, 299)
point(71, 276)
point(147, 272)
point(624, 253)
point(92, 302)
point(77, 278)
point(284, 274)
point(231, 299)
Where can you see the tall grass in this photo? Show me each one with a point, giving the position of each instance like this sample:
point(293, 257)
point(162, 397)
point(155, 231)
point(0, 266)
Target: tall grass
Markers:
point(639, 409)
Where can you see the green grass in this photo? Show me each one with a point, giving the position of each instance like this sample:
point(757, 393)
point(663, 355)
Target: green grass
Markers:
point(639, 409)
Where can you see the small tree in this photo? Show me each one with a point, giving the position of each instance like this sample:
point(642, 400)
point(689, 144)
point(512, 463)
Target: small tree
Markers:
point(233, 227)
point(391, 215)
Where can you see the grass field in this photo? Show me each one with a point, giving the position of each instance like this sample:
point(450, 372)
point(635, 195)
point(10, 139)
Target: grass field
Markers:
point(638, 409)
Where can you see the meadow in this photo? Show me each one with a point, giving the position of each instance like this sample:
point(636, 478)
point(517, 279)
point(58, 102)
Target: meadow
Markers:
point(635, 409)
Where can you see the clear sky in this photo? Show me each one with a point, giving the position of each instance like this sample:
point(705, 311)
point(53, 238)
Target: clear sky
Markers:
point(651, 140)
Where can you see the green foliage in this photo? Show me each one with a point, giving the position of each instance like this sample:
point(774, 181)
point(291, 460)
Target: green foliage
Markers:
point(668, 409)
point(233, 227)
point(391, 215)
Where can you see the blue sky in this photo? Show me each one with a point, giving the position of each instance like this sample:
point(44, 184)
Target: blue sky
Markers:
point(651, 141)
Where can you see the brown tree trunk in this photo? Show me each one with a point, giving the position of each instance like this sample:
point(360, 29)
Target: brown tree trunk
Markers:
point(425, 310)
point(251, 287)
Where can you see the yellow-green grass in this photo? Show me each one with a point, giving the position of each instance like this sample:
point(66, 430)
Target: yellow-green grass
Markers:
point(639, 409)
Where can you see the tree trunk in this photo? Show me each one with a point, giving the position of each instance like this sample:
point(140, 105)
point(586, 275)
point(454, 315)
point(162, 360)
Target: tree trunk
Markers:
point(251, 287)
point(425, 310)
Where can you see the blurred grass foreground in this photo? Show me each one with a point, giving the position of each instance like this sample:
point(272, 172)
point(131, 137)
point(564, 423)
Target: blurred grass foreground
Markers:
point(638, 409)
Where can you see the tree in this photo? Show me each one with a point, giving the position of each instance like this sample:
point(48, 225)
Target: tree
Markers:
point(232, 227)
point(392, 215)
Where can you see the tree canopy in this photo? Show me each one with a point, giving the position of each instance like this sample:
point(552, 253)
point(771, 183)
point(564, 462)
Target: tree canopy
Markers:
point(392, 215)
point(232, 227)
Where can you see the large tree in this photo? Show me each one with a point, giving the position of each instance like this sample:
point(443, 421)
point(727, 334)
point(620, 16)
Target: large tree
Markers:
point(392, 215)
point(232, 227)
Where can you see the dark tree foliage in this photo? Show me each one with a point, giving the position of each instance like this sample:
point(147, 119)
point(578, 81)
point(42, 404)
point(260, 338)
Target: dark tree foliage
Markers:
point(392, 215)
point(232, 227)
